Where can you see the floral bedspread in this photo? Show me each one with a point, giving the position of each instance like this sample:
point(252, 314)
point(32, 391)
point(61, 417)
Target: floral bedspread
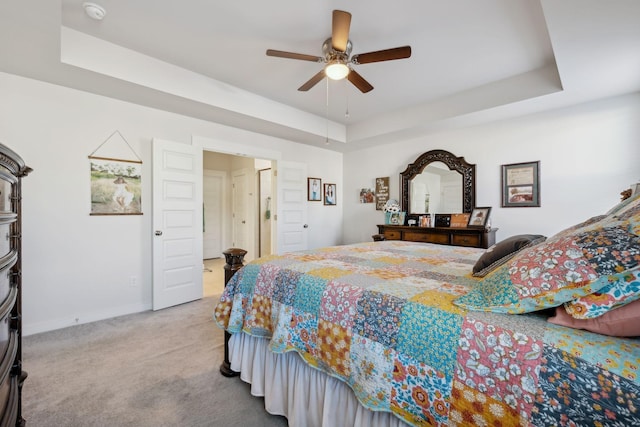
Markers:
point(380, 317)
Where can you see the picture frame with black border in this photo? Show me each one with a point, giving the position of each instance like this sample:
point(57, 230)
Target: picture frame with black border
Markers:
point(442, 220)
point(479, 217)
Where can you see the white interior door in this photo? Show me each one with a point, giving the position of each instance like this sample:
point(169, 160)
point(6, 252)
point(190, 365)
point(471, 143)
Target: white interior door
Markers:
point(291, 222)
point(213, 183)
point(177, 223)
point(240, 216)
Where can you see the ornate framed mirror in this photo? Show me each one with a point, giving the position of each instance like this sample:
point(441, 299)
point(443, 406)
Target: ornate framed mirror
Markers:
point(438, 182)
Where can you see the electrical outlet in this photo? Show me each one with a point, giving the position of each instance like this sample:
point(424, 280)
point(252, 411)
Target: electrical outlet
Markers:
point(133, 281)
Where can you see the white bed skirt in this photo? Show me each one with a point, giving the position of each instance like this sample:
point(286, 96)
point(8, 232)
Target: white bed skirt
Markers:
point(306, 396)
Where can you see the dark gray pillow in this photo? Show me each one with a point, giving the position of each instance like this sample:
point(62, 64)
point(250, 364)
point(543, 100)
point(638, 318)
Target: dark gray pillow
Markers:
point(503, 251)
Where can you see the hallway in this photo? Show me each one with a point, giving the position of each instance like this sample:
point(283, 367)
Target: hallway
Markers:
point(213, 276)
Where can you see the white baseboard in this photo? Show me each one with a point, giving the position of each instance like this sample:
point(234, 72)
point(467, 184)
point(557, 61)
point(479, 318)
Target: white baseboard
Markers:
point(53, 324)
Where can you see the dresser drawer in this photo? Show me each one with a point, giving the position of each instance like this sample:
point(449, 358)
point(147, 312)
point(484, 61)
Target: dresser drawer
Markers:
point(6, 182)
point(466, 240)
point(9, 400)
point(415, 237)
point(5, 274)
point(442, 239)
point(392, 235)
point(5, 237)
point(7, 338)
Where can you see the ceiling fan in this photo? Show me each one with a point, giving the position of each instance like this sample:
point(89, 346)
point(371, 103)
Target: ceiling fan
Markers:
point(336, 51)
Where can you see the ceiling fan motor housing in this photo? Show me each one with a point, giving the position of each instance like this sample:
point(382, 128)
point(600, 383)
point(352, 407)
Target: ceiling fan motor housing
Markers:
point(330, 54)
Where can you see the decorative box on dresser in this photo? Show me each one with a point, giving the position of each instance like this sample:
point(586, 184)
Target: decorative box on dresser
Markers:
point(456, 236)
point(12, 169)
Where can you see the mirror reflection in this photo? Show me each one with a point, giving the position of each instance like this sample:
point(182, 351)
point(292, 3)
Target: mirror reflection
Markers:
point(436, 190)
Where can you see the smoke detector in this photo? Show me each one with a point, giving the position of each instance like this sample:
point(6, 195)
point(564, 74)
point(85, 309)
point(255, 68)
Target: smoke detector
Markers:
point(95, 11)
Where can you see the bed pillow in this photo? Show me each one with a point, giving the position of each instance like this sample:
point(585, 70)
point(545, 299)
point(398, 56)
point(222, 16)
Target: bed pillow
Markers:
point(503, 251)
point(622, 289)
point(564, 267)
point(621, 322)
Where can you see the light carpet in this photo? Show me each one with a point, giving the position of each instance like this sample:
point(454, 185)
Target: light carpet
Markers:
point(146, 369)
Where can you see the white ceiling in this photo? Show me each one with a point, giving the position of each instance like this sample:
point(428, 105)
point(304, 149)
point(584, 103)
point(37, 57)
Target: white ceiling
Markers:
point(472, 60)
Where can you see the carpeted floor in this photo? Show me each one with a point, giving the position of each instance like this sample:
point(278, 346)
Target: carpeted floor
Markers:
point(146, 369)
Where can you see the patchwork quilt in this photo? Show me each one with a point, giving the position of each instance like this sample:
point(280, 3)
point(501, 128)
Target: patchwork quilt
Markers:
point(380, 317)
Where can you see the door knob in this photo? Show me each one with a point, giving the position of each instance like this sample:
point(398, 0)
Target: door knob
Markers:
point(306, 226)
point(158, 233)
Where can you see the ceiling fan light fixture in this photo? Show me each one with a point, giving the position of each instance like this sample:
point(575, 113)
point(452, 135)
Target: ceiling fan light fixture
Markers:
point(336, 70)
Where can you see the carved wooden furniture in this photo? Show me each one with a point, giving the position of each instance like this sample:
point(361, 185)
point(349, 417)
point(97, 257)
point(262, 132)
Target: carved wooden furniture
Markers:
point(234, 258)
point(472, 237)
point(466, 170)
point(12, 169)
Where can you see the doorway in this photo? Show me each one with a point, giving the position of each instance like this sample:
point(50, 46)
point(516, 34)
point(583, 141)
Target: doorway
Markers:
point(232, 212)
point(265, 202)
point(188, 164)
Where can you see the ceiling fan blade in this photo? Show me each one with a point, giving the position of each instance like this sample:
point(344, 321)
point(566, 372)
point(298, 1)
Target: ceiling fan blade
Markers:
point(359, 82)
point(312, 81)
point(340, 30)
point(291, 55)
point(382, 55)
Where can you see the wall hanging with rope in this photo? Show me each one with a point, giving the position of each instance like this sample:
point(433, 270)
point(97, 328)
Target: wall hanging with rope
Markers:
point(115, 179)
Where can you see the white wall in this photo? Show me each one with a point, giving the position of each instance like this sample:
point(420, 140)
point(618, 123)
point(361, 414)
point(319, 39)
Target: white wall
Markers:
point(77, 267)
point(588, 154)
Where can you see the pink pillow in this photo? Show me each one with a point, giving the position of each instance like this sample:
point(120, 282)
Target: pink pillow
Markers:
point(621, 322)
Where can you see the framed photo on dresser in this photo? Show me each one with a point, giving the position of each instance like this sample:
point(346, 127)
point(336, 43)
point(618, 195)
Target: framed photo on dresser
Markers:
point(479, 217)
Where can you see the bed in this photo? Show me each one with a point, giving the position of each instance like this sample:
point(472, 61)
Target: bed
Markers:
point(399, 333)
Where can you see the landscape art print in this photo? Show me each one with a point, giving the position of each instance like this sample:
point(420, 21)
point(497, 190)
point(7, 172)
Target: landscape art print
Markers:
point(116, 187)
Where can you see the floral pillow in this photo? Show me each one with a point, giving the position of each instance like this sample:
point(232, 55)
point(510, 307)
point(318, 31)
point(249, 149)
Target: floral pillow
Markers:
point(622, 289)
point(567, 266)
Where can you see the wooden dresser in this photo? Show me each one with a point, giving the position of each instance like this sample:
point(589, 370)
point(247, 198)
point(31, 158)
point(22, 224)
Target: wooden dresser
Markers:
point(473, 237)
point(12, 169)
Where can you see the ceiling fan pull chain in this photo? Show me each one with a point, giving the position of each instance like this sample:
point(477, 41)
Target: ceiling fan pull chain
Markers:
point(346, 90)
point(327, 113)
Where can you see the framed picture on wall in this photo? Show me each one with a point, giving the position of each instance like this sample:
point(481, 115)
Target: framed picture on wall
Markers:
point(314, 189)
point(521, 185)
point(330, 194)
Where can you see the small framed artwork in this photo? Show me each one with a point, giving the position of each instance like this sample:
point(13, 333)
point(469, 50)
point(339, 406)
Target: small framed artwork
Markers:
point(314, 189)
point(521, 185)
point(479, 217)
point(330, 194)
point(367, 195)
point(442, 220)
point(382, 192)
